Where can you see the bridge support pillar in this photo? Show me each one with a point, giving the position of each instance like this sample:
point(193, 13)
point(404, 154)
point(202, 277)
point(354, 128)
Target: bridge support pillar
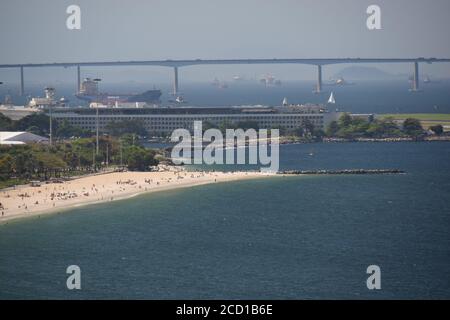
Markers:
point(175, 81)
point(319, 79)
point(22, 85)
point(78, 79)
point(415, 84)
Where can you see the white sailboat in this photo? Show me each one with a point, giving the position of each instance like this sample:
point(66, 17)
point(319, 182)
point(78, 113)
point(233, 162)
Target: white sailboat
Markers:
point(331, 100)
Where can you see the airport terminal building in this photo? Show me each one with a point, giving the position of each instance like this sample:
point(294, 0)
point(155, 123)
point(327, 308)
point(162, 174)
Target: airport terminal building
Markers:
point(166, 119)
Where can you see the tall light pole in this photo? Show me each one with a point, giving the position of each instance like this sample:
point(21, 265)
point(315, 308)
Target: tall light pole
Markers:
point(93, 159)
point(107, 151)
point(49, 92)
point(51, 127)
point(0, 85)
point(121, 155)
point(96, 119)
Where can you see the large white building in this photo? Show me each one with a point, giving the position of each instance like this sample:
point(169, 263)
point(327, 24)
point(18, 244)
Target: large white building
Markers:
point(167, 119)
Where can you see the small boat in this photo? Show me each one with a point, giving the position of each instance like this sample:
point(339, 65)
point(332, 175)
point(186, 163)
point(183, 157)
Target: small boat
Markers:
point(331, 99)
point(178, 99)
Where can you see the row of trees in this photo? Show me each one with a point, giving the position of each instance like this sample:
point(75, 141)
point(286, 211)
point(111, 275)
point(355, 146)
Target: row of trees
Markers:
point(345, 127)
point(351, 128)
point(307, 130)
point(39, 123)
point(41, 161)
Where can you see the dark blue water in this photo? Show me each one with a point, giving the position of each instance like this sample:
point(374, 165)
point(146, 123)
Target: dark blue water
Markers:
point(369, 96)
point(281, 238)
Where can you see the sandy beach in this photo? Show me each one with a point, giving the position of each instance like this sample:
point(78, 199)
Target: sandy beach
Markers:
point(27, 201)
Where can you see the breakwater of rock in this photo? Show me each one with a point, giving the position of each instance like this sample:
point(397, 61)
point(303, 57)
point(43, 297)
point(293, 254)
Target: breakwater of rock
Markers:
point(345, 171)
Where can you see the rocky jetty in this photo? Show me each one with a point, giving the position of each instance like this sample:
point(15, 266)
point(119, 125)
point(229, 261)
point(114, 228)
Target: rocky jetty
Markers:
point(345, 171)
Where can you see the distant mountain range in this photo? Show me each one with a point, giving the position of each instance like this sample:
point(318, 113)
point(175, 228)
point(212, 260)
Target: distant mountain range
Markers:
point(364, 73)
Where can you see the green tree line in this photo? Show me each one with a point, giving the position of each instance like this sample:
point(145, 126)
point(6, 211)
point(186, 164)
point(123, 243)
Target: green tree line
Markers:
point(73, 157)
point(39, 123)
point(349, 127)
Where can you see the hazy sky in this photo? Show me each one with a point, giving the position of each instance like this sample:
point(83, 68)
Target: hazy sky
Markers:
point(33, 31)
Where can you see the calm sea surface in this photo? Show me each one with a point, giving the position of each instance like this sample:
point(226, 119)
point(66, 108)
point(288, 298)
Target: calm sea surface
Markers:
point(282, 238)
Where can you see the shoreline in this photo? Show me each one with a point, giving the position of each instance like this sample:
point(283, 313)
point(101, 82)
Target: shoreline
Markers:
point(286, 141)
point(26, 201)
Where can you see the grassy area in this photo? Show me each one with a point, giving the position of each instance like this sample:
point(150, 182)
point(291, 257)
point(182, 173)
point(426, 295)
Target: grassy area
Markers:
point(426, 119)
point(419, 116)
point(11, 182)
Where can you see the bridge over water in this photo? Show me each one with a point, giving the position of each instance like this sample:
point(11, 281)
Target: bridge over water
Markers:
point(175, 64)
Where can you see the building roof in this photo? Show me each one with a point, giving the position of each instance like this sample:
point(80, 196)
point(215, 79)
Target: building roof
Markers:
point(20, 137)
point(185, 110)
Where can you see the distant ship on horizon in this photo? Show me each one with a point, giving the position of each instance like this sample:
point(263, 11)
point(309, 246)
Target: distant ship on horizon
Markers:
point(219, 84)
point(89, 92)
point(428, 80)
point(269, 80)
point(338, 82)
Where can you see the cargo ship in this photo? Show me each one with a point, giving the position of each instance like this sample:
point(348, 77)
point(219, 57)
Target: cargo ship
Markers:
point(89, 92)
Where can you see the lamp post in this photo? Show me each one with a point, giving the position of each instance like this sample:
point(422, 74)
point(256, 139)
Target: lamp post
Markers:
point(96, 119)
point(93, 159)
point(49, 94)
point(107, 151)
point(51, 127)
point(121, 154)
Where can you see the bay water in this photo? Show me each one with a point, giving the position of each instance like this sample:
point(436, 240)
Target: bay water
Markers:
point(299, 237)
